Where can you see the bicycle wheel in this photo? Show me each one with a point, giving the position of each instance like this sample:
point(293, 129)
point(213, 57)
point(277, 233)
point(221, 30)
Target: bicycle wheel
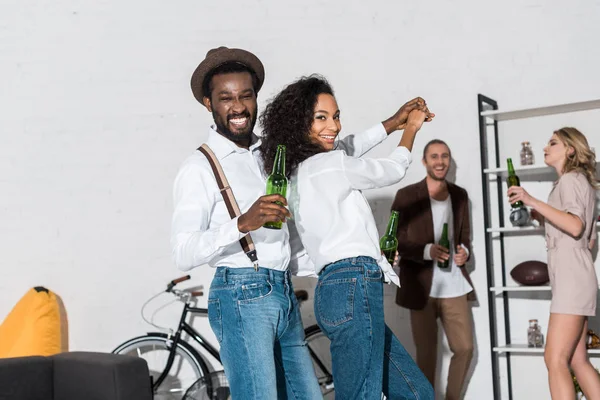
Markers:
point(213, 386)
point(318, 347)
point(188, 366)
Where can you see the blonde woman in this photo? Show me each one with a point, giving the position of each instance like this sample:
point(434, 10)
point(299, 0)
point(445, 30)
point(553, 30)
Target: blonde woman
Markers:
point(570, 226)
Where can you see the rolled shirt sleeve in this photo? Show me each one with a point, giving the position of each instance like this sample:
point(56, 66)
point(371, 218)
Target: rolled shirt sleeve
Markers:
point(375, 173)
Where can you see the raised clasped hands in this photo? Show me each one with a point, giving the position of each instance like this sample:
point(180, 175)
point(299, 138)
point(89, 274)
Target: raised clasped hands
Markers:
point(415, 119)
point(402, 115)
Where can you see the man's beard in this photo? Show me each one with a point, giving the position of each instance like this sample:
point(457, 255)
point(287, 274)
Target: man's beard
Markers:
point(432, 175)
point(242, 138)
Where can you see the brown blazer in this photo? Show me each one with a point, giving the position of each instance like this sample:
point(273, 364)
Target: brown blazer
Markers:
point(415, 230)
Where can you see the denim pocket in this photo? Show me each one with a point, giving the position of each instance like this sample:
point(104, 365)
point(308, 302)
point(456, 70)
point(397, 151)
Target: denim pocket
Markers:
point(336, 301)
point(256, 291)
point(214, 318)
point(373, 274)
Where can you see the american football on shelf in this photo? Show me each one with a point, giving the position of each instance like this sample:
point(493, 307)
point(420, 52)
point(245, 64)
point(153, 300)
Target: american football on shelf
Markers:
point(530, 273)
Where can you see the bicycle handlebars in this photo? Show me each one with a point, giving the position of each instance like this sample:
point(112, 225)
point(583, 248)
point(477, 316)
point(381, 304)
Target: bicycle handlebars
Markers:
point(174, 282)
point(301, 295)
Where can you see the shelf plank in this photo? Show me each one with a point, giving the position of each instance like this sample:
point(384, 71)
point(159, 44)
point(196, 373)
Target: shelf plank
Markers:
point(516, 229)
point(522, 170)
point(500, 289)
point(526, 170)
point(522, 348)
point(499, 115)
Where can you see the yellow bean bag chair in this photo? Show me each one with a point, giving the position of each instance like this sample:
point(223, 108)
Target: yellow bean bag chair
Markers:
point(33, 326)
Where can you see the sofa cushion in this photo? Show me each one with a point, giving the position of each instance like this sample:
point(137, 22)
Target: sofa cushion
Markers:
point(100, 376)
point(32, 328)
point(26, 378)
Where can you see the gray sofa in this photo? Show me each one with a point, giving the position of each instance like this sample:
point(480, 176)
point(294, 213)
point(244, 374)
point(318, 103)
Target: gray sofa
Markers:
point(75, 376)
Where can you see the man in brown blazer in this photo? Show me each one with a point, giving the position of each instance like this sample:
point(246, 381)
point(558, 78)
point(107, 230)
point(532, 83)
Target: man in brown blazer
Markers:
point(431, 292)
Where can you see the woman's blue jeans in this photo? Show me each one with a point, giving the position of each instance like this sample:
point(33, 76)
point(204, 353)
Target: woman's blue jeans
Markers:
point(367, 358)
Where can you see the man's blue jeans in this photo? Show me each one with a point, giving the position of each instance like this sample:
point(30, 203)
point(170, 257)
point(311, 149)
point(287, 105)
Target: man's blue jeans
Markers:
point(367, 358)
point(256, 319)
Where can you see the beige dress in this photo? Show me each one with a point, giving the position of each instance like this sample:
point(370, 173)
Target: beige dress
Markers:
point(570, 265)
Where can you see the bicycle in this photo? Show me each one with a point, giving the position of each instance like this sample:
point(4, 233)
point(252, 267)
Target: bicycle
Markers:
point(175, 364)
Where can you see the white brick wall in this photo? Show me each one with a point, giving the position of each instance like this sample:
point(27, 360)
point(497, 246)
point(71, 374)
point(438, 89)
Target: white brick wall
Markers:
point(96, 115)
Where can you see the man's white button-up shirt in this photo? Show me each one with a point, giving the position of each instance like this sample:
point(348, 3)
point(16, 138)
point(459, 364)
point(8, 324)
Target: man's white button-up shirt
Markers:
point(202, 232)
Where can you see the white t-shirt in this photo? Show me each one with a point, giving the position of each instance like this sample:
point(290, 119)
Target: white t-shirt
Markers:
point(450, 282)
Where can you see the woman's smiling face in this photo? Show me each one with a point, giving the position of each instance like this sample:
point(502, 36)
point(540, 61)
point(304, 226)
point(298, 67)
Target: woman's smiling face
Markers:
point(326, 122)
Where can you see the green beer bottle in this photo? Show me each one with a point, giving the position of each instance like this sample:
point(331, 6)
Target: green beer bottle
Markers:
point(277, 182)
point(444, 242)
point(389, 241)
point(513, 180)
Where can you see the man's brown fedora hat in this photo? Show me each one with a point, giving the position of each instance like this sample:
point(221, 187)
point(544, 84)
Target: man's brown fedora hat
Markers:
point(219, 56)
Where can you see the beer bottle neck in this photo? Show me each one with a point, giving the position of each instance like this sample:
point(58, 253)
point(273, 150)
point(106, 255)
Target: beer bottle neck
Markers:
point(279, 164)
point(511, 168)
point(445, 232)
point(392, 227)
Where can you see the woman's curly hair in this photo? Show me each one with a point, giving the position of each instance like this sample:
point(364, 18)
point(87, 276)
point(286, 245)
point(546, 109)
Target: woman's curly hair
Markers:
point(287, 120)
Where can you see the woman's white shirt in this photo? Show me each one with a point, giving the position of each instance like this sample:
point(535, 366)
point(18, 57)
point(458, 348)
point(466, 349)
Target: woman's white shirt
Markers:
point(331, 215)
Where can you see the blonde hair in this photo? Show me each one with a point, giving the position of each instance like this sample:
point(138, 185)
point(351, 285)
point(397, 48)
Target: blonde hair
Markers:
point(583, 159)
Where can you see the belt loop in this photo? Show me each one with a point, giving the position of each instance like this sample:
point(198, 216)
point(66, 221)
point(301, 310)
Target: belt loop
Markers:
point(271, 277)
point(225, 275)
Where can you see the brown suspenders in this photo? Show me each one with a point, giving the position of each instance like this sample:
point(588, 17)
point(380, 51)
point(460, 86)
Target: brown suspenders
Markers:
point(230, 202)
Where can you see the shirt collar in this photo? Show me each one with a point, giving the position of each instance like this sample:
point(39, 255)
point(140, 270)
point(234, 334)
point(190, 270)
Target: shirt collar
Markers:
point(222, 147)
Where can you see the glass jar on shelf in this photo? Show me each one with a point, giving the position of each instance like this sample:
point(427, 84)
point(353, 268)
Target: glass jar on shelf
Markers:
point(535, 338)
point(526, 154)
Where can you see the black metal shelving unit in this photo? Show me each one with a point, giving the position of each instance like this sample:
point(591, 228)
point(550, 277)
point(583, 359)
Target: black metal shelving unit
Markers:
point(492, 183)
point(485, 104)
